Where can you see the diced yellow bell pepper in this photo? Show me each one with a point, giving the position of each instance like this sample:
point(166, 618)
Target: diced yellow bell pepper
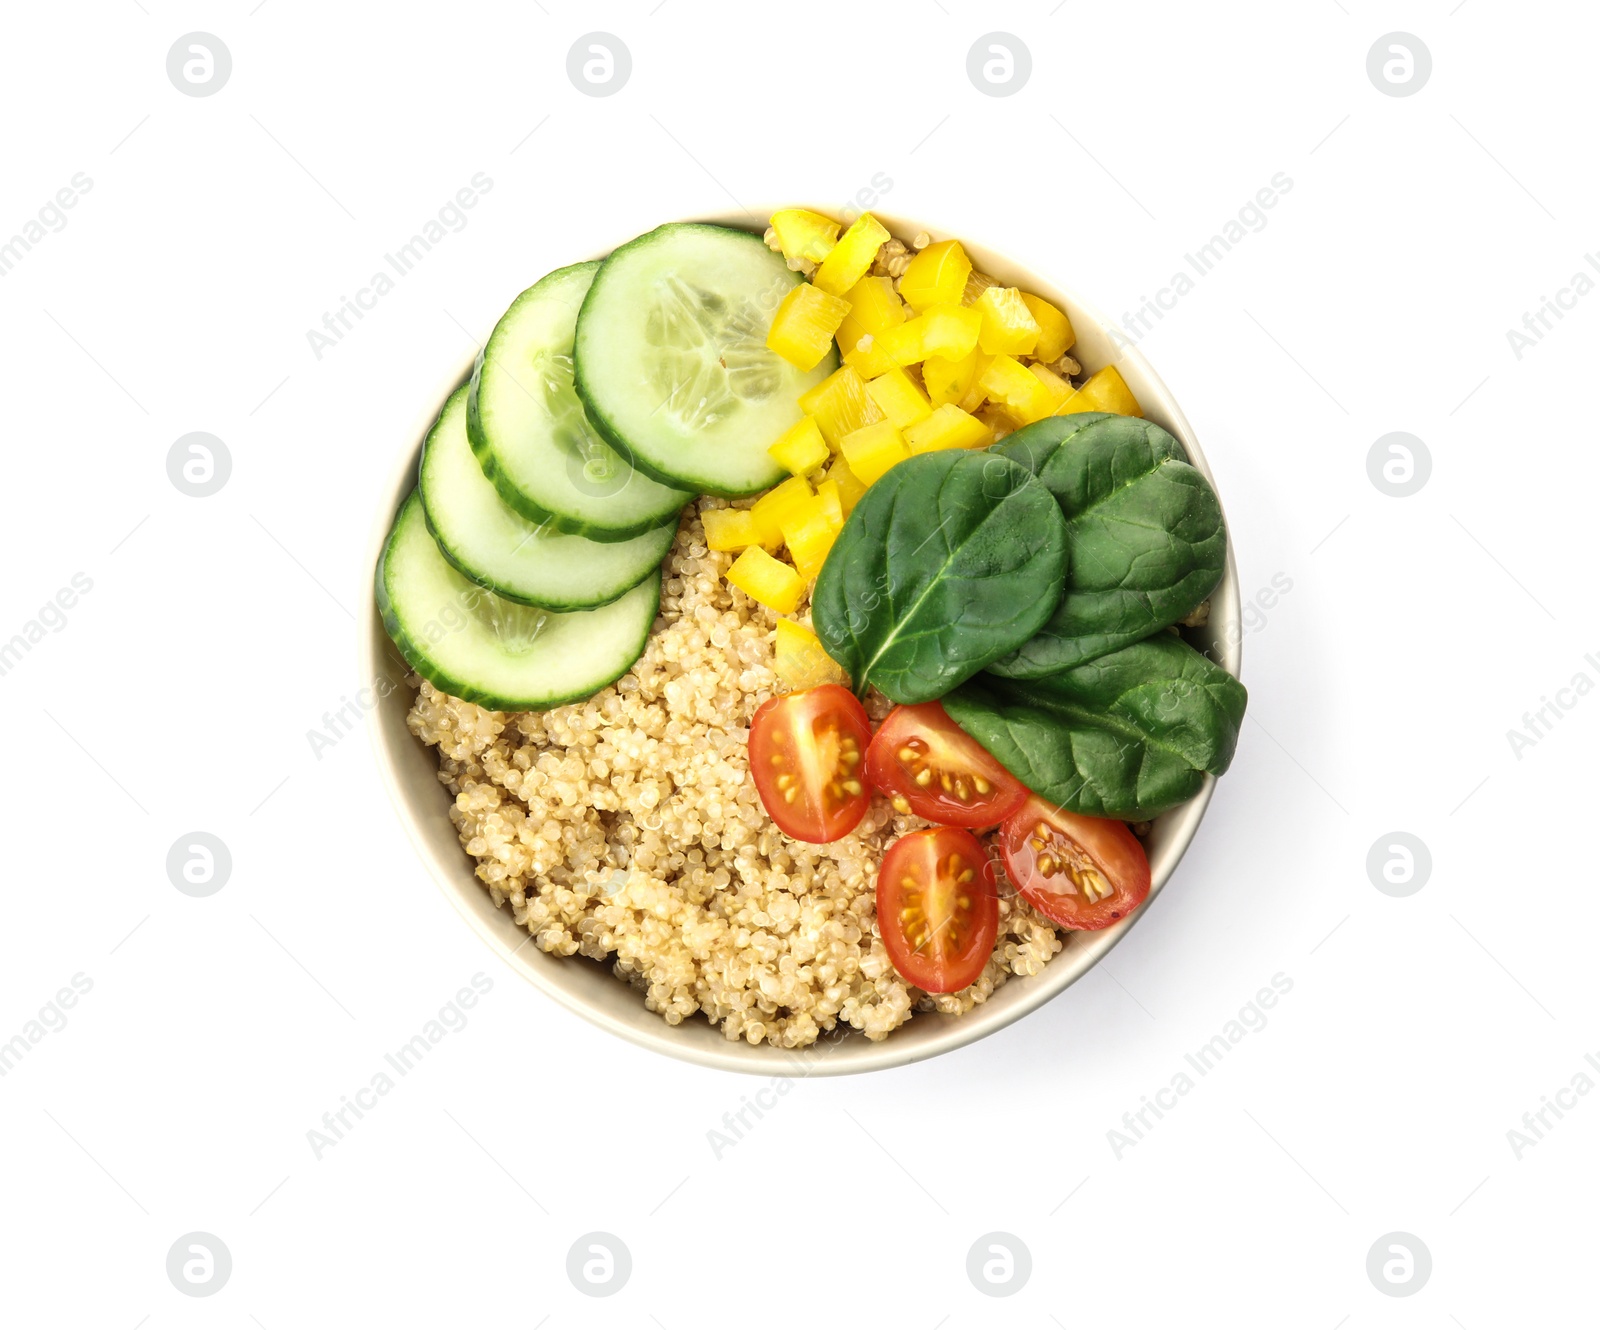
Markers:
point(899, 397)
point(763, 578)
point(865, 356)
point(1025, 398)
point(800, 661)
point(977, 284)
point(817, 507)
point(840, 404)
point(776, 504)
point(1104, 390)
point(809, 534)
point(874, 307)
point(734, 529)
point(802, 329)
point(801, 449)
point(948, 427)
point(950, 380)
point(902, 344)
point(850, 488)
point(849, 259)
point(975, 396)
point(938, 275)
point(1058, 388)
point(873, 449)
point(804, 234)
point(1055, 329)
point(1008, 327)
point(944, 330)
point(829, 500)
point(950, 331)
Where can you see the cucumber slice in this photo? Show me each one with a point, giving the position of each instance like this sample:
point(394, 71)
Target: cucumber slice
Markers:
point(672, 362)
point(528, 562)
point(529, 431)
point(483, 649)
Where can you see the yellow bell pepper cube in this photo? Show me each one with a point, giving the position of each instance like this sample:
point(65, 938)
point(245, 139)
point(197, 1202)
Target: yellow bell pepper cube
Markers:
point(819, 507)
point(1055, 329)
point(765, 579)
point(801, 449)
point(944, 330)
point(803, 234)
point(800, 661)
point(902, 344)
point(950, 380)
point(829, 500)
point(849, 259)
point(948, 427)
point(873, 449)
point(840, 404)
point(976, 396)
point(874, 305)
point(849, 487)
point(865, 356)
point(1104, 390)
point(936, 276)
point(950, 331)
point(899, 398)
point(776, 504)
point(734, 529)
point(1058, 388)
point(802, 329)
point(874, 308)
point(1008, 328)
point(809, 535)
point(1025, 398)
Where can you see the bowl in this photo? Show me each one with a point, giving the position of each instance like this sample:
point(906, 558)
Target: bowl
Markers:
point(588, 987)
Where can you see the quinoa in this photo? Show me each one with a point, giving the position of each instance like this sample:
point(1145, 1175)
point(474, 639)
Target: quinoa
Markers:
point(892, 260)
point(627, 828)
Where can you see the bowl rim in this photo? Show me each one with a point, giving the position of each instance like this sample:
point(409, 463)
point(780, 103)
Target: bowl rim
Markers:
point(835, 1054)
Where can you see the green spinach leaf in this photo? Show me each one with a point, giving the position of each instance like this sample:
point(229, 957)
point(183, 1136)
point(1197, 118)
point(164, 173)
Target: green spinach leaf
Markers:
point(1144, 533)
point(1127, 735)
point(948, 562)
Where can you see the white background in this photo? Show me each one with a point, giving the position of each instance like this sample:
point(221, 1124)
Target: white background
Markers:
point(218, 632)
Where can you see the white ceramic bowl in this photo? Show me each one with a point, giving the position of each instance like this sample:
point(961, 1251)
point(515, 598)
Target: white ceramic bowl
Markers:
point(588, 987)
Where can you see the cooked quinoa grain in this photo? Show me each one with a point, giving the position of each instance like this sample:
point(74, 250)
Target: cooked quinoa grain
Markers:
point(627, 828)
point(892, 260)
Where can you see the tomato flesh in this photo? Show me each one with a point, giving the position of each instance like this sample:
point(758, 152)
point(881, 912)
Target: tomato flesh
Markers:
point(806, 753)
point(930, 766)
point(1082, 872)
point(938, 912)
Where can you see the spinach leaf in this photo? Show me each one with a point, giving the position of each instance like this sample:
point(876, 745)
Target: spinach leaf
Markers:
point(948, 562)
point(1127, 735)
point(1144, 532)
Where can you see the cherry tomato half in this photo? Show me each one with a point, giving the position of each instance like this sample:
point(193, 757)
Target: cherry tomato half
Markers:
point(806, 752)
point(1082, 872)
point(937, 908)
point(930, 766)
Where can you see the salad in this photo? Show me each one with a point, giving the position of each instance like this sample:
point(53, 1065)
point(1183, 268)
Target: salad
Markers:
point(801, 629)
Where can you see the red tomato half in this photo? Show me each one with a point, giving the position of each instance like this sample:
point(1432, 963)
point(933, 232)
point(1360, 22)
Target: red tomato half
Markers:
point(930, 766)
point(806, 751)
point(937, 908)
point(1082, 872)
